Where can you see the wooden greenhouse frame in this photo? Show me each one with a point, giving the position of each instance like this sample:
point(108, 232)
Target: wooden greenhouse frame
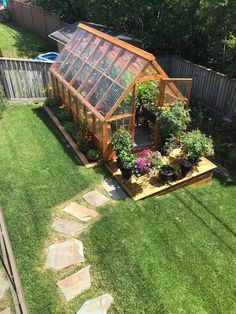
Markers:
point(96, 77)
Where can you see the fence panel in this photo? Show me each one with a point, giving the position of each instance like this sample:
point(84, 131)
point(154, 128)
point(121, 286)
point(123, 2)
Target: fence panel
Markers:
point(215, 90)
point(34, 18)
point(23, 78)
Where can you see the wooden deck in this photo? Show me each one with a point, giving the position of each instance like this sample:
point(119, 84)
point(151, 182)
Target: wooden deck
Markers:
point(145, 186)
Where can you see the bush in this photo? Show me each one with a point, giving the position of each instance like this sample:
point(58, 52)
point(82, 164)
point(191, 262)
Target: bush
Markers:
point(121, 141)
point(173, 120)
point(94, 155)
point(63, 115)
point(84, 145)
point(147, 95)
point(71, 129)
point(83, 131)
point(196, 144)
point(3, 102)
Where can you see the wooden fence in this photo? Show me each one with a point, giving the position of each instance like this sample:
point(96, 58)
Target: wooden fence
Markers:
point(8, 261)
point(34, 18)
point(24, 79)
point(215, 90)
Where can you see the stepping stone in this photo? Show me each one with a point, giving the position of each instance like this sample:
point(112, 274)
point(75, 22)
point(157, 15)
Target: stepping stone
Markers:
point(4, 285)
point(114, 189)
point(6, 311)
point(68, 227)
point(65, 254)
point(95, 198)
point(99, 305)
point(75, 284)
point(82, 213)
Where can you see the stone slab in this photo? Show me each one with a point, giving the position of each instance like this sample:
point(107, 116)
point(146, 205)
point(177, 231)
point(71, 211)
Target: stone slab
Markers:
point(65, 254)
point(75, 284)
point(68, 227)
point(4, 285)
point(95, 198)
point(99, 305)
point(114, 189)
point(82, 213)
point(6, 311)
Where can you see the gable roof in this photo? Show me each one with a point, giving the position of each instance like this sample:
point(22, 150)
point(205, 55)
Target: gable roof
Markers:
point(99, 69)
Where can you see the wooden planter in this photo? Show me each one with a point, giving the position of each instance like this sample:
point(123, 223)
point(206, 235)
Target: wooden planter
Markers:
point(71, 142)
point(144, 186)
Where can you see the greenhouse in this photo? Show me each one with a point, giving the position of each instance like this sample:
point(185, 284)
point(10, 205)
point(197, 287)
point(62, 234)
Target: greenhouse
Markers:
point(98, 78)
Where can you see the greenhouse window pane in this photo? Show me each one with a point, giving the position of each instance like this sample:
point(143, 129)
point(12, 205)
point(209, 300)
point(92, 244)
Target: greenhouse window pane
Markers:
point(86, 53)
point(82, 75)
point(121, 62)
point(91, 81)
point(101, 49)
point(67, 64)
point(112, 53)
point(83, 42)
point(126, 105)
point(76, 39)
point(103, 85)
point(112, 97)
point(61, 58)
point(78, 64)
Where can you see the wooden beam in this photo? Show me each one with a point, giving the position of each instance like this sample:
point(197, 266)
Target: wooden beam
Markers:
point(118, 42)
point(120, 116)
point(149, 78)
point(81, 98)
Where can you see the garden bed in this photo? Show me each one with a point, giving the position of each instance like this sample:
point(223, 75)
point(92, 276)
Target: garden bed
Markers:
point(146, 185)
point(70, 141)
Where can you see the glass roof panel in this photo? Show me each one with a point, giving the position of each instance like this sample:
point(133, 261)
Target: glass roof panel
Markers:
point(98, 68)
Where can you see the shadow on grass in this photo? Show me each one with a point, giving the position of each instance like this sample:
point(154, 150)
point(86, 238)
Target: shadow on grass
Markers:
point(40, 112)
point(202, 220)
point(27, 43)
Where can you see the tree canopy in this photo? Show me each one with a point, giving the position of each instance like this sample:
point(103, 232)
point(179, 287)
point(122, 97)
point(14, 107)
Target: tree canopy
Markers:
point(202, 31)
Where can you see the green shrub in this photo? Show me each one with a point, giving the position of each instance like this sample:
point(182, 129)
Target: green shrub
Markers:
point(173, 120)
point(83, 131)
point(3, 101)
point(63, 115)
point(196, 144)
point(121, 141)
point(71, 129)
point(147, 95)
point(94, 155)
point(84, 145)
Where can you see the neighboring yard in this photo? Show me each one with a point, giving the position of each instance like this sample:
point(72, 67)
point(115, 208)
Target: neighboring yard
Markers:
point(16, 42)
point(169, 254)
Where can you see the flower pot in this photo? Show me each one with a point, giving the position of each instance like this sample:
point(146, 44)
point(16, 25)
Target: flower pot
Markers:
point(126, 173)
point(186, 166)
point(177, 176)
point(166, 173)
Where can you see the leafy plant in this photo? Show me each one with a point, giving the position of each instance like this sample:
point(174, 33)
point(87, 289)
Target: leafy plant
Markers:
point(147, 95)
point(147, 161)
point(173, 120)
point(94, 155)
point(71, 129)
point(126, 160)
point(121, 141)
point(196, 144)
point(83, 131)
point(84, 145)
point(3, 102)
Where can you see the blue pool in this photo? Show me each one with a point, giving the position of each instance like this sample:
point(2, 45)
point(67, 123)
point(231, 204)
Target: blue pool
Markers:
point(49, 56)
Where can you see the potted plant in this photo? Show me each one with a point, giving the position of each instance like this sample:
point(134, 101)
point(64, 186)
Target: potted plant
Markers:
point(126, 164)
point(173, 121)
point(147, 162)
point(122, 144)
point(121, 141)
point(194, 144)
point(166, 173)
point(177, 173)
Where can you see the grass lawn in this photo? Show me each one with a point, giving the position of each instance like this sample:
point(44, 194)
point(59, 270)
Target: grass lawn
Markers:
point(16, 42)
point(169, 254)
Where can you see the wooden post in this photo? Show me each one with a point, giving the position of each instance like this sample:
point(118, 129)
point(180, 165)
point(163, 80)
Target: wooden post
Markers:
point(157, 136)
point(105, 142)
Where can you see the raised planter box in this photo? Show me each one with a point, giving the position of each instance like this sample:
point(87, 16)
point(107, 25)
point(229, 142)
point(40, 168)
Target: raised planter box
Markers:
point(139, 188)
point(71, 142)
